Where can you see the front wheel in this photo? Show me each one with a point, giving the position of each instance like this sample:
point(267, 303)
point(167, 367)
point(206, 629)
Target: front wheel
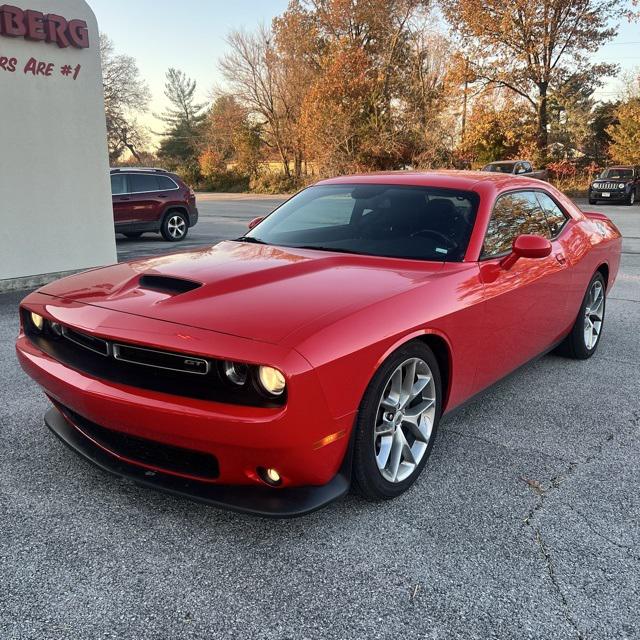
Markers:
point(175, 226)
point(592, 201)
point(585, 335)
point(397, 423)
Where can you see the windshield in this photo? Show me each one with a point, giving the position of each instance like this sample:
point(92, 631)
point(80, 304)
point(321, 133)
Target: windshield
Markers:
point(420, 223)
point(503, 167)
point(617, 174)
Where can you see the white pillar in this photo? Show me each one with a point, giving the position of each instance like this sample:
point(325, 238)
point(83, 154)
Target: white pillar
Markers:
point(55, 200)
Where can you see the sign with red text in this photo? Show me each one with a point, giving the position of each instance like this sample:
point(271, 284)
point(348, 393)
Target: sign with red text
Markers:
point(55, 199)
point(40, 27)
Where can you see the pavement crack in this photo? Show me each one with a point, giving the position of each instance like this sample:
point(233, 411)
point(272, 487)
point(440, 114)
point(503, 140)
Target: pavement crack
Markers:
point(625, 547)
point(566, 609)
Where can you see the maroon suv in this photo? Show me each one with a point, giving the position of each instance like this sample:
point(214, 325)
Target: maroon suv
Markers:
point(152, 200)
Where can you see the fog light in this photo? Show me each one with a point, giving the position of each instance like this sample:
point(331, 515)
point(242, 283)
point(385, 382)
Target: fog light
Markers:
point(236, 372)
point(272, 380)
point(270, 476)
point(37, 321)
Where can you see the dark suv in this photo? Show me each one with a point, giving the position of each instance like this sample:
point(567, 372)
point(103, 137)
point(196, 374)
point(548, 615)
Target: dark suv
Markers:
point(152, 200)
point(616, 184)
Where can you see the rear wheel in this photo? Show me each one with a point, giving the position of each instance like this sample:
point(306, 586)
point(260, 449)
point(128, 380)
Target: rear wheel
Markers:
point(397, 423)
point(584, 338)
point(175, 226)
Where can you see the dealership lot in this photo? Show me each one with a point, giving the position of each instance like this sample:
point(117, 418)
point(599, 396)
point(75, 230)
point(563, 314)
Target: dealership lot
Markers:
point(524, 524)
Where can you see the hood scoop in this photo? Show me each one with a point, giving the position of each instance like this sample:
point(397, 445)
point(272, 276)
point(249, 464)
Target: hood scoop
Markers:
point(168, 284)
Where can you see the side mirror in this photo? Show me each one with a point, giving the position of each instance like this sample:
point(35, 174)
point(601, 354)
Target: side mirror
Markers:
point(527, 246)
point(255, 222)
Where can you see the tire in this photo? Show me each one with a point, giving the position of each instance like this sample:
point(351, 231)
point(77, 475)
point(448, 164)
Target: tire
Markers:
point(592, 201)
point(577, 344)
point(175, 226)
point(133, 235)
point(378, 473)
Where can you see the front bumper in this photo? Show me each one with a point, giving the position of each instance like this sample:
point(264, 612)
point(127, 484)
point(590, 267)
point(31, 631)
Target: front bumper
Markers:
point(302, 440)
point(617, 195)
point(262, 501)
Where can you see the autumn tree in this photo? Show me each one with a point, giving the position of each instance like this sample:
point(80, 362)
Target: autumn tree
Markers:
point(183, 118)
point(535, 48)
point(625, 135)
point(254, 77)
point(354, 111)
point(126, 96)
point(230, 136)
point(499, 127)
point(603, 117)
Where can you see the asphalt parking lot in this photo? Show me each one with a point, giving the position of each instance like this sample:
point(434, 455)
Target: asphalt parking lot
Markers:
point(524, 525)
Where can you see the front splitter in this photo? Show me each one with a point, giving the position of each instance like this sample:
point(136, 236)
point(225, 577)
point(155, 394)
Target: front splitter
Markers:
point(261, 501)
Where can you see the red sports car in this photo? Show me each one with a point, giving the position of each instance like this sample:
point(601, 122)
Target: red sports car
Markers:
point(269, 373)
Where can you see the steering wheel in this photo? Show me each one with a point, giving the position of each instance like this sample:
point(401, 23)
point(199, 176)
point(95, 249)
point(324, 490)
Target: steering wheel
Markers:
point(452, 244)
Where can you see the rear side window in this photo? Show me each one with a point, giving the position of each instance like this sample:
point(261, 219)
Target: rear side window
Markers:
point(142, 183)
point(555, 216)
point(514, 214)
point(118, 184)
point(165, 184)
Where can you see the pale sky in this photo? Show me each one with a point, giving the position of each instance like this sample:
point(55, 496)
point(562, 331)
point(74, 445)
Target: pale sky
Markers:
point(189, 35)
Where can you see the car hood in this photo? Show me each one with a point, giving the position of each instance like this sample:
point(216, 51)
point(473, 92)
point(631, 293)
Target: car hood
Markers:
point(253, 291)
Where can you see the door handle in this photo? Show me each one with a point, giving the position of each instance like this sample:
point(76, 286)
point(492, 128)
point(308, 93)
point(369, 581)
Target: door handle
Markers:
point(560, 258)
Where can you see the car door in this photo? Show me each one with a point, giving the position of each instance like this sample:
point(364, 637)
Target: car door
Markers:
point(122, 212)
point(144, 189)
point(525, 305)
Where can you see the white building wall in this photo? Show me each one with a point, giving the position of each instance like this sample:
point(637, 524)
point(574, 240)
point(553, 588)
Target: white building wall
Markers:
point(55, 201)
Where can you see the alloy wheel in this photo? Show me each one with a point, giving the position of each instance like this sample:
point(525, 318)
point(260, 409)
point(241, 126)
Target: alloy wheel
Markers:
point(594, 315)
point(176, 227)
point(404, 420)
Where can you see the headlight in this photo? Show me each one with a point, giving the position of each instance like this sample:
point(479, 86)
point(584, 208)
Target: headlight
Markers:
point(272, 380)
point(236, 372)
point(621, 186)
point(37, 321)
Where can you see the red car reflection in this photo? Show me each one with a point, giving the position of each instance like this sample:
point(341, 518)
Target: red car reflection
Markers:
point(270, 373)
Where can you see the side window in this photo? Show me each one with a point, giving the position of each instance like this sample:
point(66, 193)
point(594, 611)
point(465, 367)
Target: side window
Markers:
point(513, 214)
point(555, 216)
point(118, 184)
point(527, 167)
point(142, 183)
point(165, 183)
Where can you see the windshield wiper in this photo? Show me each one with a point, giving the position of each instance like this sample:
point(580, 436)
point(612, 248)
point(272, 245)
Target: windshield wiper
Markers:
point(251, 240)
point(335, 250)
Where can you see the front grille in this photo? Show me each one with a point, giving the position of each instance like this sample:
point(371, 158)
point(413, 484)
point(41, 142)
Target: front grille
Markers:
point(606, 186)
point(160, 359)
point(86, 341)
point(155, 370)
point(147, 452)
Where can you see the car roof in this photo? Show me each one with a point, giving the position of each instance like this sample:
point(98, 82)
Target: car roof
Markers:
point(445, 179)
point(137, 170)
point(506, 161)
